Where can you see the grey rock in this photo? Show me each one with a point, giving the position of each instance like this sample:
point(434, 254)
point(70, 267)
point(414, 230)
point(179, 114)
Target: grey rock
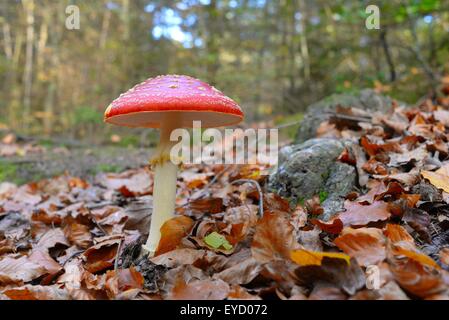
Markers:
point(308, 168)
point(318, 112)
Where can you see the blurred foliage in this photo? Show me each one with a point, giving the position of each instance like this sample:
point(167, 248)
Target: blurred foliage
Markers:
point(273, 57)
point(7, 171)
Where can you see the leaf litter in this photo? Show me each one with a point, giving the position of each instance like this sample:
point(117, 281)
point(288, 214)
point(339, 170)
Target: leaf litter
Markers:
point(65, 238)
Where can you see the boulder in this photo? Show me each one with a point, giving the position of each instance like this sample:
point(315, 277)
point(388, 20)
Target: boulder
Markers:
point(311, 168)
point(318, 112)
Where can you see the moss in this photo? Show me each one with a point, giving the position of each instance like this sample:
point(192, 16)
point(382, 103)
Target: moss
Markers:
point(104, 167)
point(7, 171)
point(323, 195)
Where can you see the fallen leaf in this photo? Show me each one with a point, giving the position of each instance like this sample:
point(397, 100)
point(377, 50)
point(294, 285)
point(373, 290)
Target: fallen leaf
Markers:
point(52, 238)
point(415, 272)
point(335, 226)
point(43, 259)
point(216, 241)
point(396, 234)
point(311, 258)
point(274, 237)
point(241, 273)
point(37, 292)
point(209, 205)
point(20, 269)
point(366, 245)
point(78, 234)
point(101, 256)
point(439, 178)
point(239, 293)
point(325, 292)
point(178, 257)
point(200, 290)
point(333, 271)
point(172, 232)
point(357, 214)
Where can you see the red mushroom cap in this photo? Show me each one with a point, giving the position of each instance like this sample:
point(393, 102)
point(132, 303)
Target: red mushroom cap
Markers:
point(156, 99)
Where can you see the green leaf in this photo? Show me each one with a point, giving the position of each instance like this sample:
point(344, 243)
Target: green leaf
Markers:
point(323, 196)
point(216, 240)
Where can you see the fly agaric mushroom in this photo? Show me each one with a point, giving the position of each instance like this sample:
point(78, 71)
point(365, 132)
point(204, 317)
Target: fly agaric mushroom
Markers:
point(170, 102)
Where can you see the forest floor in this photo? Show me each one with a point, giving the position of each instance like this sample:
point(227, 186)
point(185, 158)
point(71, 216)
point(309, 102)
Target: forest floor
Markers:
point(78, 235)
point(28, 163)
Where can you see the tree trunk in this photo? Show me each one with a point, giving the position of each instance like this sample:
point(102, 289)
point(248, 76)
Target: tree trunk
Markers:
point(28, 72)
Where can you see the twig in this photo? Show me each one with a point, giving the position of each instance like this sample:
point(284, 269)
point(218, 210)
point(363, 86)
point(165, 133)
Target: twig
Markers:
point(98, 225)
point(288, 124)
point(72, 256)
point(348, 117)
point(117, 255)
point(259, 189)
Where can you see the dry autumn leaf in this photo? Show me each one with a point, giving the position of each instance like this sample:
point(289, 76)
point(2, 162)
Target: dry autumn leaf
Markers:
point(101, 256)
point(439, 178)
point(366, 245)
point(311, 258)
point(415, 272)
point(274, 237)
point(357, 214)
point(172, 233)
point(19, 269)
point(200, 290)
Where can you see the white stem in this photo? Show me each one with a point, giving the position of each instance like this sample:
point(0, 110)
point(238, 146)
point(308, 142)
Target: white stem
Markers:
point(164, 188)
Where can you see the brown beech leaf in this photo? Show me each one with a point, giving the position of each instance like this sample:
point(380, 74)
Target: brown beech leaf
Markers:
point(46, 217)
point(366, 245)
point(415, 272)
point(37, 292)
point(51, 238)
point(78, 234)
point(274, 237)
point(129, 279)
point(357, 214)
point(43, 259)
point(131, 183)
point(239, 293)
point(396, 234)
point(122, 280)
point(333, 227)
point(101, 256)
point(209, 205)
point(347, 157)
point(200, 290)
point(375, 167)
point(21, 269)
point(312, 258)
point(73, 274)
point(335, 272)
point(439, 178)
point(325, 292)
point(241, 273)
point(373, 149)
point(274, 202)
point(178, 257)
point(172, 232)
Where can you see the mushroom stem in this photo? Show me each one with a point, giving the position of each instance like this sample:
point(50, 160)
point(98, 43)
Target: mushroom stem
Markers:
point(164, 188)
